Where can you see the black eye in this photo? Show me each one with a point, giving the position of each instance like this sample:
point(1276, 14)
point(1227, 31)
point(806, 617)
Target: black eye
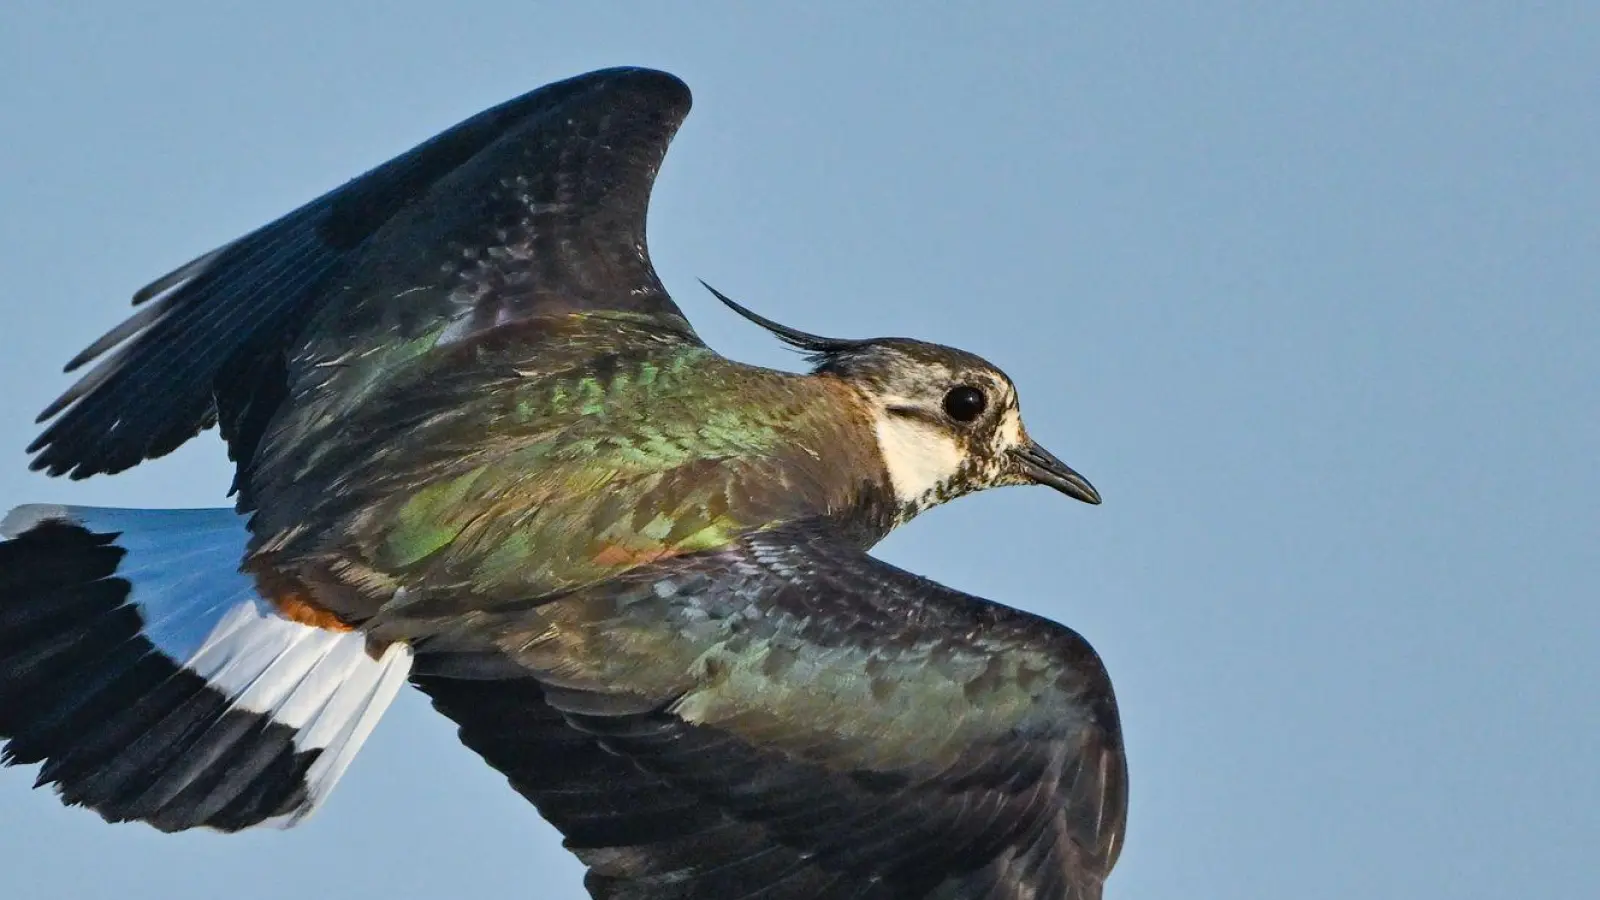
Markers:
point(964, 403)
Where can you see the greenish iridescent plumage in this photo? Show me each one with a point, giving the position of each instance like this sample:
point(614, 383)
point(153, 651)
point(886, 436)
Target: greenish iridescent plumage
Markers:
point(836, 703)
point(471, 425)
point(593, 453)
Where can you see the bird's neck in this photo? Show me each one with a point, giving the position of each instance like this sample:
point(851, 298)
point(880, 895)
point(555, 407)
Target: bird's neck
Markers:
point(885, 490)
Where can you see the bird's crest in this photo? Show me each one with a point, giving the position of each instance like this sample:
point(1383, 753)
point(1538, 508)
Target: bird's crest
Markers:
point(818, 349)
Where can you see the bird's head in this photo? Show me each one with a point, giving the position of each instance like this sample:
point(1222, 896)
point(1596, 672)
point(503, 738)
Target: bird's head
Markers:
point(947, 421)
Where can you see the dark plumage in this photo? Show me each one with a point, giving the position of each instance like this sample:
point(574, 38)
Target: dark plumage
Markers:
point(149, 740)
point(792, 695)
point(478, 447)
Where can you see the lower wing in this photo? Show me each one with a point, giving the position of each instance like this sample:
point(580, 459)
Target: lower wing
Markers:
point(792, 718)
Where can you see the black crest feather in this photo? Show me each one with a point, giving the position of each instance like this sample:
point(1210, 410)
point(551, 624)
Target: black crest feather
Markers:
point(794, 337)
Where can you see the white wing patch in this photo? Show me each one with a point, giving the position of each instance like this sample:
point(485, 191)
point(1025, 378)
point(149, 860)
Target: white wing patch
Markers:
point(324, 684)
point(202, 613)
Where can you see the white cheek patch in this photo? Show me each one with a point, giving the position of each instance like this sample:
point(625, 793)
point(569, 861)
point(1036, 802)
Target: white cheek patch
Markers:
point(919, 457)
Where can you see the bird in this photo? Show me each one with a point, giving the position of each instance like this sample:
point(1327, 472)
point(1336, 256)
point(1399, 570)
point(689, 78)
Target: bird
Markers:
point(479, 450)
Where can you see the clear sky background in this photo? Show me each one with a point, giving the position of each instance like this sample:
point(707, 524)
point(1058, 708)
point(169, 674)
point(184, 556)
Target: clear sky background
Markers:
point(1312, 296)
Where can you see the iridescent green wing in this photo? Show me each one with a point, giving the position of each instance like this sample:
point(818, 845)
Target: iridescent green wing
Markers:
point(534, 207)
point(796, 720)
point(498, 476)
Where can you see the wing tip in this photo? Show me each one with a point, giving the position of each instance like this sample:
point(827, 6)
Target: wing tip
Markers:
point(644, 78)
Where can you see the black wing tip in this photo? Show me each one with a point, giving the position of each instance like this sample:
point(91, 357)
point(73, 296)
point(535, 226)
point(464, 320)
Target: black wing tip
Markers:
point(618, 86)
point(56, 407)
point(77, 461)
point(645, 80)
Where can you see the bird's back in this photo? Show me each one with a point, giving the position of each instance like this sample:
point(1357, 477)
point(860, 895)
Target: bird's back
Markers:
point(500, 466)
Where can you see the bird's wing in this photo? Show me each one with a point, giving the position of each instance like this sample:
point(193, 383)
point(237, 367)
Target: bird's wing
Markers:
point(789, 717)
point(535, 206)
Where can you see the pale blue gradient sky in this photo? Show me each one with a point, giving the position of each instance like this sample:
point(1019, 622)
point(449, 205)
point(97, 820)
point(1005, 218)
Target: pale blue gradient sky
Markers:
point(1311, 297)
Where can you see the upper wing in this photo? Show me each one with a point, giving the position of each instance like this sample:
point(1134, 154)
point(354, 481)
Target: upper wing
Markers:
point(537, 203)
point(792, 718)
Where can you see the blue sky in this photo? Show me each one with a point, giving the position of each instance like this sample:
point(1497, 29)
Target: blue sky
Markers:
point(1311, 296)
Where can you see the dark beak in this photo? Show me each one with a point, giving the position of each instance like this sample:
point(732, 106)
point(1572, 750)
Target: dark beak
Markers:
point(1041, 466)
